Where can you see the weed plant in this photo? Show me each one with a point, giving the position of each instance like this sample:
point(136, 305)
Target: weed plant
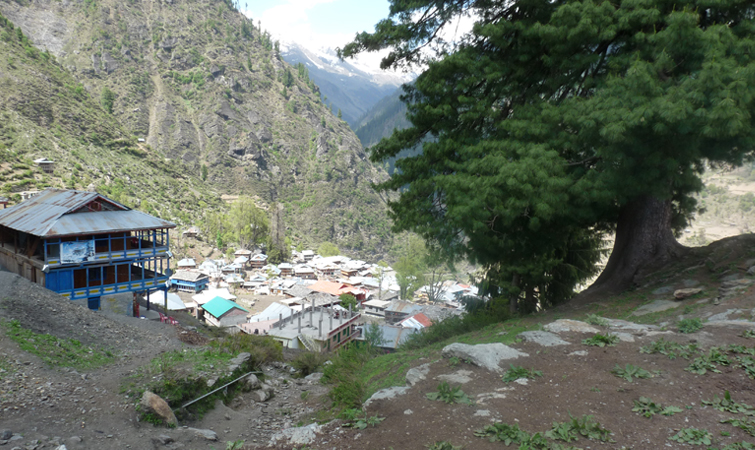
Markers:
point(348, 390)
point(594, 319)
point(748, 364)
point(648, 408)
point(692, 436)
point(690, 325)
point(630, 372)
point(726, 404)
point(602, 340)
point(750, 334)
point(748, 426)
point(443, 445)
point(670, 349)
point(355, 418)
point(449, 395)
point(516, 372)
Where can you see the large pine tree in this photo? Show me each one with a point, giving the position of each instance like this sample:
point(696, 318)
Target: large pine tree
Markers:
point(555, 120)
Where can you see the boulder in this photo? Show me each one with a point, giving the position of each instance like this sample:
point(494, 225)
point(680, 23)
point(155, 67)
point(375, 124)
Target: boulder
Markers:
point(387, 394)
point(487, 356)
point(297, 435)
point(543, 338)
point(681, 294)
point(153, 403)
point(568, 325)
point(252, 381)
point(207, 434)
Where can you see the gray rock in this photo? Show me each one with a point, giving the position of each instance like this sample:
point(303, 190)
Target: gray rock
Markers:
point(252, 381)
point(730, 323)
point(663, 290)
point(656, 306)
point(624, 337)
point(75, 440)
point(724, 315)
point(61, 447)
point(637, 328)
point(417, 374)
point(207, 434)
point(6, 434)
point(163, 439)
point(543, 338)
point(459, 377)
point(387, 394)
point(260, 396)
point(568, 325)
point(408, 412)
point(487, 356)
point(297, 435)
point(578, 353)
point(482, 413)
point(751, 271)
point(314, 377)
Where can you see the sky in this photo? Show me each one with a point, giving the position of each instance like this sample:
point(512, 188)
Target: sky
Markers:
point(316, 23)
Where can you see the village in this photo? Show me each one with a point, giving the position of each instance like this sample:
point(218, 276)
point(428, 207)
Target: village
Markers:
point(311, 302)
point(91, 249)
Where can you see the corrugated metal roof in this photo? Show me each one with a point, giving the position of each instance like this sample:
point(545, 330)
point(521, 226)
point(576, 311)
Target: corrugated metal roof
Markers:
point(48, 215)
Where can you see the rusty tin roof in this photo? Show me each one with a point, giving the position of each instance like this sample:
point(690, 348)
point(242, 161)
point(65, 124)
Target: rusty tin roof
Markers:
point(49, 214)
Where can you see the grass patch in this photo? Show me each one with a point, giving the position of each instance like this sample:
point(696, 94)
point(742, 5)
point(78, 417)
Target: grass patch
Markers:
point(55, 351)
point(670, 349)
point(308, 362)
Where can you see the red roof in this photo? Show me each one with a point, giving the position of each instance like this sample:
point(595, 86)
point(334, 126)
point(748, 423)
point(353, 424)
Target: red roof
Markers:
point(329, 287)
point(421, 318)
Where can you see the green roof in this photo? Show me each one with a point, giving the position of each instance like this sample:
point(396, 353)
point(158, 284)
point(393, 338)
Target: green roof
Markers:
point(219, 306)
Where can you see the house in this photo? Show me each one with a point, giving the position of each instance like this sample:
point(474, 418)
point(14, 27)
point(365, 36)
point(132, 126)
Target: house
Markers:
point(189, 281)
point(337, 289)
point(4, 202)
point(418, 321)
point(187, 263)
point(304, 272)
point(393, 336)
point(243, 252)
point(224, 313)
point(191, 232)
point(375, 307)
point(399, 310)
point(45, 164)
point(258, 261)
point(307, 255)
point(318, 330)
point(286, 269)
point(83, 245)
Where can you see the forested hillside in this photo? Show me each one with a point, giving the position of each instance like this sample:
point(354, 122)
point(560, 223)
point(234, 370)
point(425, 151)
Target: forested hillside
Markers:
point(205, 89)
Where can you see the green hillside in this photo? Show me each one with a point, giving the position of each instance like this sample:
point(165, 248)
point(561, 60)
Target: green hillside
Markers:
point(201, 86)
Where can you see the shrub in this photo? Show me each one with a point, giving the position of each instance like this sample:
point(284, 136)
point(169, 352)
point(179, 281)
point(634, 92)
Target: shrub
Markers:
point(689, 325)
point(308, 362)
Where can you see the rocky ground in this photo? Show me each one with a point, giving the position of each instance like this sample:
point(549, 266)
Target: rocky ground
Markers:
point(43, 407)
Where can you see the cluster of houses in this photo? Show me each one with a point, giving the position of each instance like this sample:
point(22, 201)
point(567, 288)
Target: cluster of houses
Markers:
point(308, 313)
point(84, 245)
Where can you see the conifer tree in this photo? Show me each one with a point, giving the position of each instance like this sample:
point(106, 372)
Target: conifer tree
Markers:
point(553, 121)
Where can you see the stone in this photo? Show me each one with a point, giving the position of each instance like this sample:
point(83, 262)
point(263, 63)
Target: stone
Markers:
point(207, 434)
point(656, 306)
point(637, 328)
point(724, 315)
point(297, 435)
point(681, 294)
point(408, 412)
point(482, 413)
point(624, 337)
point(568, 325)
point(487, 356)
point(6, 434)
point(578, 353)
point(543, 338)
point(417, 374)
point(152, 403)
point(387, 394)
point(314, 377)
point(75, 440)
point(260, 395)
point(163, 439)
point(663, 290)
point(252, 382)
point(459, 377)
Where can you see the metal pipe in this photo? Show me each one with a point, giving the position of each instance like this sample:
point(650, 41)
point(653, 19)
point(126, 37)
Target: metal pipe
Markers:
point(319, 328)
point(216, 390)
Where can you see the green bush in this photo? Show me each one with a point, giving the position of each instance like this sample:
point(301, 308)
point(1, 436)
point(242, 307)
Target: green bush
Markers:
point(689, 325)
point(348, 390)
point(308, 362)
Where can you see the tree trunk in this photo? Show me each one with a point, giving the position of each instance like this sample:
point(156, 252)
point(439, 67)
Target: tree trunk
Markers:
point(643, 237)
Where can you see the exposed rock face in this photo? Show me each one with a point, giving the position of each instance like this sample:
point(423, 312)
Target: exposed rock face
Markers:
point(154, 404)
